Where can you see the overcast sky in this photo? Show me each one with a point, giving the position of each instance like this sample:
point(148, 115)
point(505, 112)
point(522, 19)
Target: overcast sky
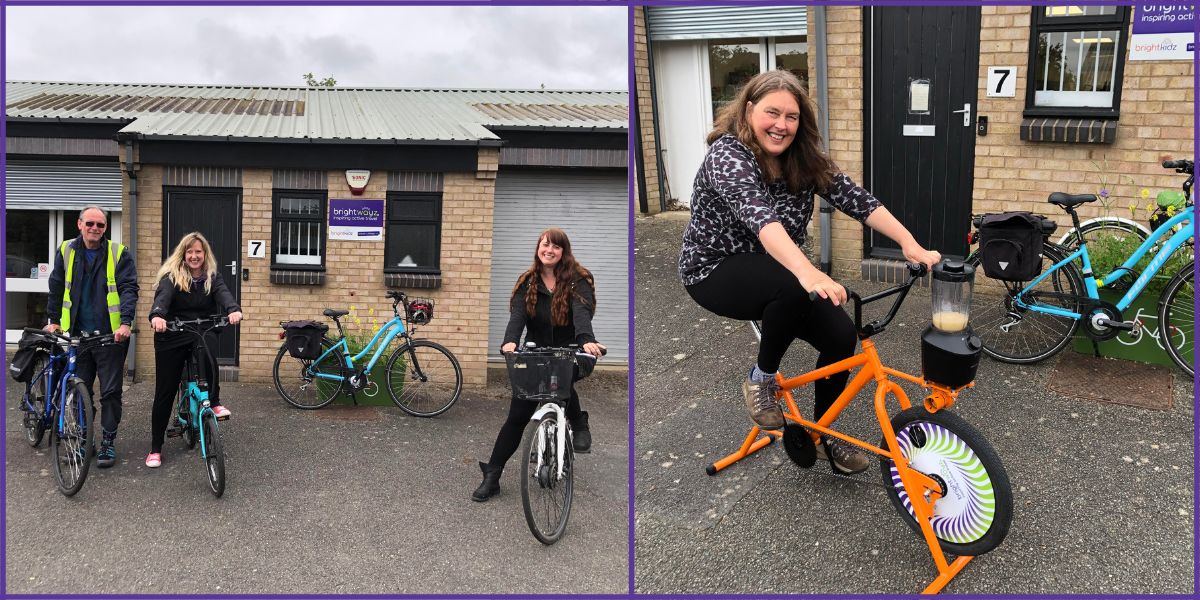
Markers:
point(466, 47)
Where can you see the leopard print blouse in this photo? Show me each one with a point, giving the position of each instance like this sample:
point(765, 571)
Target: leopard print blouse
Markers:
point(731, 203)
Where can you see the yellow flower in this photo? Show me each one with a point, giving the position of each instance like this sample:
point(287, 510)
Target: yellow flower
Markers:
point(1145, 193)
point(1150, 207)
point(371, 312)
point(1132, 207)
point(1171, 211)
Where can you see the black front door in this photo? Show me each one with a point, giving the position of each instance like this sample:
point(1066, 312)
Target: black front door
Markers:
point(921, 75)
point(215, 213)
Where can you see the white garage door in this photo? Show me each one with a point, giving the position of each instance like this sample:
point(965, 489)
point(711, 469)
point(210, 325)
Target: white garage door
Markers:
point(593, 208)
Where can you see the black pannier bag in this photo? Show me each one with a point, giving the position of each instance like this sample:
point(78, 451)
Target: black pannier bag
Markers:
point(303, 338)
point(1010, 245)
point(28, 349)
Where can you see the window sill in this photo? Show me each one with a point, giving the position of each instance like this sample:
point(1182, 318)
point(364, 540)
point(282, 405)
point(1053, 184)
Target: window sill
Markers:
point(413, 280)
point(1068, 130)
point(295, 277)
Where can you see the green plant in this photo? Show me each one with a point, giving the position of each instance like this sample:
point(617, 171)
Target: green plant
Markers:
point(1109, 251)
point(358, 335)
point(1105, 191)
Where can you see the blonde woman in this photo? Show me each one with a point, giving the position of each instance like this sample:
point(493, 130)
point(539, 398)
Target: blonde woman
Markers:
point(189, 287)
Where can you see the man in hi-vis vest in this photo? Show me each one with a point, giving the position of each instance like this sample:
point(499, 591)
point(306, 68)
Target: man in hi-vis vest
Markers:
point(93, 287)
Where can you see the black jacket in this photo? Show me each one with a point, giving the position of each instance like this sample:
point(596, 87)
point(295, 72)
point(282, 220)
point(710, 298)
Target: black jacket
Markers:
point(127, 286)
point(540, 330)
point(171, 303)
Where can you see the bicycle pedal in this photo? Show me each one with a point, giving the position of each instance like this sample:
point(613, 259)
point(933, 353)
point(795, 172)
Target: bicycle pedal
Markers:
point(174, 432)
point(223, 418)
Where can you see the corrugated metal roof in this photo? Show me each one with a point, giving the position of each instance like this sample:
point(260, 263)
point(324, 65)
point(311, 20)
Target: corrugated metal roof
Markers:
point(333, 114)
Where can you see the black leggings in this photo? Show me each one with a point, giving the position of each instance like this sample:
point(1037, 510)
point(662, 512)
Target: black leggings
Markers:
point(756, 287)
point(168, 370)
point(519, 414)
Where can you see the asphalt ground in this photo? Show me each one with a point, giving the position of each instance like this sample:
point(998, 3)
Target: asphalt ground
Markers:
point(1103, 494)
point(334, 501)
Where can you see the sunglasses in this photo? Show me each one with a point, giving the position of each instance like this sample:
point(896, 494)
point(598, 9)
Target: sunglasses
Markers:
point(95, 224)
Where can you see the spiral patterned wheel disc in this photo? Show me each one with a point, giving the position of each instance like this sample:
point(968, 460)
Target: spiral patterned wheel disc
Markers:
point(967, 510)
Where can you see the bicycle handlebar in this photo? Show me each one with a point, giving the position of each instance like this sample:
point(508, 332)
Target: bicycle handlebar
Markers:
point(84, 339)
point(1180, 166)
point(915, 272)
point(215, 322)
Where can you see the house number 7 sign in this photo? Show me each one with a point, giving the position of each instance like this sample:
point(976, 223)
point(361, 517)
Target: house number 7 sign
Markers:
point(1002, 82)
point(256, 249)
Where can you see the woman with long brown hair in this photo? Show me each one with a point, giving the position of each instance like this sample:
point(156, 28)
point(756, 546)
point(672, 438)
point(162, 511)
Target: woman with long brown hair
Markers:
point(553, 303)
point(752, 200)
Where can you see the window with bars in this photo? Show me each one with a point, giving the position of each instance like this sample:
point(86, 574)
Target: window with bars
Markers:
point(414, 232)
point(1075, 61)
point(298, 229)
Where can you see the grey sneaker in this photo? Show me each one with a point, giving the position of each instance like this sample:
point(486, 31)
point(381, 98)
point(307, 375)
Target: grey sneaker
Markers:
point(846, 458)
point(760, 401)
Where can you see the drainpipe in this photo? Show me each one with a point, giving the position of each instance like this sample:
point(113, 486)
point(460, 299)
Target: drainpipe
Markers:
point(821, 48)
point(639, 152)
point(131, 171)
point(662, 186)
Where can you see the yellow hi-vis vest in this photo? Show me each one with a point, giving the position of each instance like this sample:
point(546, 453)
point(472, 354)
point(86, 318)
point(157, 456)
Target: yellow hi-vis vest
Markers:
point(110, 277)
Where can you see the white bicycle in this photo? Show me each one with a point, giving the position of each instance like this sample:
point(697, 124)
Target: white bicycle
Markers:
point(545, 375)
point(1132, 337)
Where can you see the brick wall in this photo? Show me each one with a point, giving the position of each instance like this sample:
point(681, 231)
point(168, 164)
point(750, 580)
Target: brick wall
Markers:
point(354, 271)
point(844, 31)
point(1157, 122)
point(641, 74)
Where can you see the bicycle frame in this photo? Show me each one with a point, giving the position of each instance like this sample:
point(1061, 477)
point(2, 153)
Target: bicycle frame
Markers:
point(1173, 243)
point(195, 392)
point(386, 330)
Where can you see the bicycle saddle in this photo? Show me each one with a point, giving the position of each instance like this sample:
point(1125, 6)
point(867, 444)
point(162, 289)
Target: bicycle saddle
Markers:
point(1070, 201)
point(333, 314)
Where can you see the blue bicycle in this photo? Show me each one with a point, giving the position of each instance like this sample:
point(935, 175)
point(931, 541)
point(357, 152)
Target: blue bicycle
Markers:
point(194, 419)
point(1031, 321)
point(423, 378)
point(57, 401)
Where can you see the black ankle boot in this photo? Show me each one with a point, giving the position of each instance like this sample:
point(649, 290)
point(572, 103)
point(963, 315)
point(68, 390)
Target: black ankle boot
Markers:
point(491, 482)
point(581, 439)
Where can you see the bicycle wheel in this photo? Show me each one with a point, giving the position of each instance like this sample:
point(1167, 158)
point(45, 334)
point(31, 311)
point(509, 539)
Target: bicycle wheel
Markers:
point(184, 421)
point(1177, 319)
point(214, 455)
point(72, 442)
point(34, 404)
point(1014, 334)
point(295, 381)
point(423, 378)
point(975, 510)
point(545, 496)
point(1094, 228)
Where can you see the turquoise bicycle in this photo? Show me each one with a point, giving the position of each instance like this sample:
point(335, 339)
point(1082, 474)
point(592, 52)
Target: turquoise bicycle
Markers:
point(422, 377)
point(1026, 322)
point(194, 419)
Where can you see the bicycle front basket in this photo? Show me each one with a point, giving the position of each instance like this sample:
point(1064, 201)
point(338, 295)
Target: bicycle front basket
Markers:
point(540, 375)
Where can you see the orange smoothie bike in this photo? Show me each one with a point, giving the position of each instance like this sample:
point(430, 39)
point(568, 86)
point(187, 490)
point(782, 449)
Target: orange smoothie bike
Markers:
point(943, 477)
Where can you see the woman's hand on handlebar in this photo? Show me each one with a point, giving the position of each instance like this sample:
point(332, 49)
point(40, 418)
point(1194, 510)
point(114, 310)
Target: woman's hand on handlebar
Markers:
point(234, 317)
point(917, 254)
point(159, 324)
point(815, 281)
point(509, 347)
point(595, 349)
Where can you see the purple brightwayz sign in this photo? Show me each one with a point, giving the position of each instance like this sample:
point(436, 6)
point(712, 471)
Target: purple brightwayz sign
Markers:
point(356, 219)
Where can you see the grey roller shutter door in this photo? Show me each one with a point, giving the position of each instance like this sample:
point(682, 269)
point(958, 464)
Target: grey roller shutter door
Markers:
point(593, 208)
point(711, 22)
point(62, 185)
